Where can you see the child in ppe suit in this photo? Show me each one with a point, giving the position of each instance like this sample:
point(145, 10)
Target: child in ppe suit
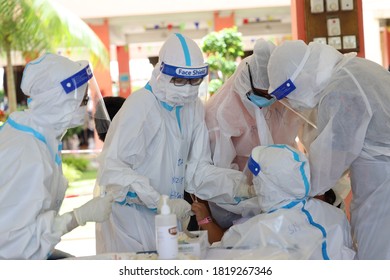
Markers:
point(158, 145)
point(351, 96)
point(293, 225)
point(32, 186)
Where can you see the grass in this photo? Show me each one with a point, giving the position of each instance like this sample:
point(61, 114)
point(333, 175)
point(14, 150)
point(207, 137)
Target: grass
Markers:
point(88, 175)
point(84, 184)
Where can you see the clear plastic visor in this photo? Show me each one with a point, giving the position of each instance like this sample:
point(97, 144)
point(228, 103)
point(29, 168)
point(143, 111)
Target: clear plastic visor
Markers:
point(85, 89)
point(252, 169)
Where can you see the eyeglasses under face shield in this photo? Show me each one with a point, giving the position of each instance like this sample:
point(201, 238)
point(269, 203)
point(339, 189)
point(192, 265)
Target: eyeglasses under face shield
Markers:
point(259, 97)
point(179, 82)
point(184, 75)
point(263, 98)
point(255, 91)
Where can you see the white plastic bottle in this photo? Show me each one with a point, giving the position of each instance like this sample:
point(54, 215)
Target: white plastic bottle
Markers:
point(166, 233)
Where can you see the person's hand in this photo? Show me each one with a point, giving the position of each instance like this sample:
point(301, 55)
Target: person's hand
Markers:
point(245, 191)
point(200, 210)
point(97, 209)
point(179, 206)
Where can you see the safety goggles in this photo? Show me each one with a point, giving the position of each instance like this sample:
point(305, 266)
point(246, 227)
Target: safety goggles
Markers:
point(257, 91)
point(179, 82)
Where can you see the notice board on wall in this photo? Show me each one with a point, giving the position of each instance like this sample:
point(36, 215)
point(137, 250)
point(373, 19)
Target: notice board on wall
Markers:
point(333, 22)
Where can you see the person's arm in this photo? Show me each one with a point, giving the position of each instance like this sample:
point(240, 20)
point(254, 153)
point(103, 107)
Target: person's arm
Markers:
point(206, 181)
point(26, 202)
point(124, 149)
point(206, 222)
point(221, 127)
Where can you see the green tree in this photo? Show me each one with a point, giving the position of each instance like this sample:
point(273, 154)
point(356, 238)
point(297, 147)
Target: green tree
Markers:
point(35, 26)
point(222, 50)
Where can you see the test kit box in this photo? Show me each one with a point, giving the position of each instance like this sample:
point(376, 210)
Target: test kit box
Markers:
point(197, 246)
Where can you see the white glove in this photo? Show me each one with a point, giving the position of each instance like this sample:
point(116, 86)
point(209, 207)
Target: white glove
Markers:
point(97, 209)
point(179, 206)
point(245, 191)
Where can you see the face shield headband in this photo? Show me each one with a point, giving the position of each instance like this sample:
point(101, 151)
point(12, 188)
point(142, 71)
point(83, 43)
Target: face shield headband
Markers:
point(77, 80)
point(253, 166)
point(91, 93)
point(288, 86)
point(184, 72)
point(250, 171)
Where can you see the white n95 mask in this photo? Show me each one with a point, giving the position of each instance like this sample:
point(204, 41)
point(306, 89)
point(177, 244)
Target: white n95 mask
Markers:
point(177, 94)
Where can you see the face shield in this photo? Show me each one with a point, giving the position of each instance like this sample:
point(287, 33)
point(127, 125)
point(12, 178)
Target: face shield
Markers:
point(83, 88)
point(288, 86)
point(257, 96)
point(251, 170)
point(183, 82)
point(246, 185)
point(280, 176)
point(179, 72)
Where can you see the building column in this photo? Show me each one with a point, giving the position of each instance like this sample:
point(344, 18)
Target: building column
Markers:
point(385, 36)
point(103, 76)
point(123, 57)
point(221, 22)
point(298, 23)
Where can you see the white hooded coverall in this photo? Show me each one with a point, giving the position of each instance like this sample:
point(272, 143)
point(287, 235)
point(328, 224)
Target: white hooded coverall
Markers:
point(236, 125)
point(352, 98)
point(32, 186)
point(292, 225)
point(158, 144)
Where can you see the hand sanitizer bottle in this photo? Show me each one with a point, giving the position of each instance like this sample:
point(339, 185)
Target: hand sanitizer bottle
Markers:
point(166, 232)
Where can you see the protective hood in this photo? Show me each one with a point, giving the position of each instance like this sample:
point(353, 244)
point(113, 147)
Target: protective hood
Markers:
point(49, 104)
point(308, 67)
point(281, 176)
point(179, 57)
point(258, 63)
point(231, 114)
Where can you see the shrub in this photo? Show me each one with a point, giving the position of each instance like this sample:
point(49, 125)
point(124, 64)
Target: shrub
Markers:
point(70, 172)
point(79, 163)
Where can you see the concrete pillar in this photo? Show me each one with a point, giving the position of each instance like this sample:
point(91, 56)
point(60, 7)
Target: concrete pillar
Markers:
point(221, 22)
point(123, 57)
point(385, 34)
point(103, 76)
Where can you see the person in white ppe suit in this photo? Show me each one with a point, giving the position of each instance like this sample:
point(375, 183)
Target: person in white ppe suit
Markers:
point(32, 185)
point(293, 225)
point(351, 95)
point(239, 118)
point(158, 145)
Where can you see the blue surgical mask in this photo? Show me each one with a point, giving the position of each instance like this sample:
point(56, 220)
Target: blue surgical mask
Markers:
point(259, 97)
point(259, 100)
